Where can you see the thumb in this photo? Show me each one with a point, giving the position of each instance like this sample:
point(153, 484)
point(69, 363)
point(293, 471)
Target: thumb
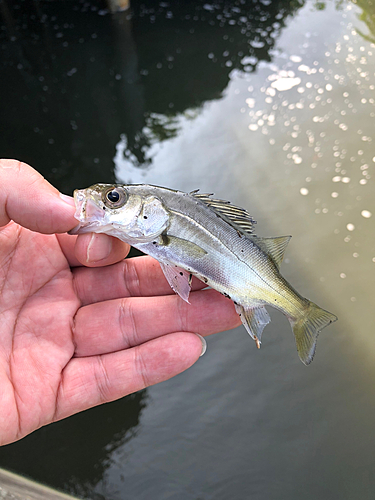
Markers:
point(28, 199)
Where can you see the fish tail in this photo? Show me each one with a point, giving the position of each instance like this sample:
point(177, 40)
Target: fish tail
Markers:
point(306, 329)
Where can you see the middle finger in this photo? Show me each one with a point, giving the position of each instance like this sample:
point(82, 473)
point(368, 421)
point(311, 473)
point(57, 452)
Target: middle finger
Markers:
point(122, 323)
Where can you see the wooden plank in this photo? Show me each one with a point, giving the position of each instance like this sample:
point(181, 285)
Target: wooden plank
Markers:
point(15, 487)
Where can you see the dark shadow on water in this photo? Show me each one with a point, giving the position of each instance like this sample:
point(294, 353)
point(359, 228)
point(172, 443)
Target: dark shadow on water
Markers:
point(77, 79)
point(74, 453)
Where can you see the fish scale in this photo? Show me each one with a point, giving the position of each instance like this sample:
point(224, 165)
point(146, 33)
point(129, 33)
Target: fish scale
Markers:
point(194, 234)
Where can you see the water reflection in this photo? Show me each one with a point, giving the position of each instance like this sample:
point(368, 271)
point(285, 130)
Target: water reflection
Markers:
point(195, 48)
point(368, 17)
point(81, 78)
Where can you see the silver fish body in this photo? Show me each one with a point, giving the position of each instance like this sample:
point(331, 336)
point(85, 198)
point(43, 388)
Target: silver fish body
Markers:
point(192, 234)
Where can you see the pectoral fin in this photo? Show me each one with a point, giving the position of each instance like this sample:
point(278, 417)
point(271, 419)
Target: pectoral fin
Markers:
point(254, 320)
point(179, 280)
point(180, 247)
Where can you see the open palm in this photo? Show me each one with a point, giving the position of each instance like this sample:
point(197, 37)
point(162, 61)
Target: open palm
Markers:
point(74, 336)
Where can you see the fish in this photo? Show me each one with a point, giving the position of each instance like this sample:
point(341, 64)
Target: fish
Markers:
point(194, 234)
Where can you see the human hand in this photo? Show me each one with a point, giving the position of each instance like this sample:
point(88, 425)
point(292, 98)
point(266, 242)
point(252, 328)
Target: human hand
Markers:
point(80, 326)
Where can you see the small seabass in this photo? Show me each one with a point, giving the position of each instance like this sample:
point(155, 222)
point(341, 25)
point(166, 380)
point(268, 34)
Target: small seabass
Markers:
point(193, 234)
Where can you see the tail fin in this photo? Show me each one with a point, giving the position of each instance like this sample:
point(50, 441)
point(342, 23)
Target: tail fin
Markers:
point(306, 330)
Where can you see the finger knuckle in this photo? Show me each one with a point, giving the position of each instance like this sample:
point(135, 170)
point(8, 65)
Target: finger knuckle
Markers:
point(141, 368)
point(131, 278)
point(103, 382)
point(128, 323)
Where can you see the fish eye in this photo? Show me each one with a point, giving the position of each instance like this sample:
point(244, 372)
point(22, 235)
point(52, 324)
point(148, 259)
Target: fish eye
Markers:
point(115, 197)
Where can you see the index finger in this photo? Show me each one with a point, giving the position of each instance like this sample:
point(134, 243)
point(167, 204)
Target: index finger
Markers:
point(134, 277)
point(31, 201)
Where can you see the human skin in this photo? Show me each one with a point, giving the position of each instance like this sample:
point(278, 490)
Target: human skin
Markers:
point(79, 325)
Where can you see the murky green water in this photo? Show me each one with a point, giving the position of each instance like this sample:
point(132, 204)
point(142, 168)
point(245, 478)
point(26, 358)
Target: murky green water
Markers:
point(270, 105)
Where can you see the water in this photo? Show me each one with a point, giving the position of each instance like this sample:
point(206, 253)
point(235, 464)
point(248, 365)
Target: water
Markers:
point(270, 105)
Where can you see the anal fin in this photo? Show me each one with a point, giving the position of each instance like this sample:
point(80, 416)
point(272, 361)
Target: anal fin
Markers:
point(178, 279)
point(254, 320)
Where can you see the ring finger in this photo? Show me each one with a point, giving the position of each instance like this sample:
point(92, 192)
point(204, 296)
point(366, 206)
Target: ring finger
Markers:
point(118, 324)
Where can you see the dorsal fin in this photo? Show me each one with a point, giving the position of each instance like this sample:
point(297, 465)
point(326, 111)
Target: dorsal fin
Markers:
point(274, 247)
point(238, 217)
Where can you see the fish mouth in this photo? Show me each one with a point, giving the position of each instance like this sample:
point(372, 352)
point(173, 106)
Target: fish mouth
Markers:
point(84, 227)
point(89, 215)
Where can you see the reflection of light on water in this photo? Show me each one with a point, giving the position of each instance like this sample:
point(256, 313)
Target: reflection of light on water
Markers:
point(313, 94)
point(282, 84)
point(303, 94)
point(366, 214)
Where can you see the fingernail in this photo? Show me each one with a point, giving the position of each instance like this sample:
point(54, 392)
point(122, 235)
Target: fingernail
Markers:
point(67, 199)
point(99, 248)
point(204, 344)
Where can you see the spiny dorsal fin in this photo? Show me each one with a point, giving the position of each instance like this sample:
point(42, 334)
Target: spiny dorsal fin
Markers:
point(238, 217)
point(274, 247)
